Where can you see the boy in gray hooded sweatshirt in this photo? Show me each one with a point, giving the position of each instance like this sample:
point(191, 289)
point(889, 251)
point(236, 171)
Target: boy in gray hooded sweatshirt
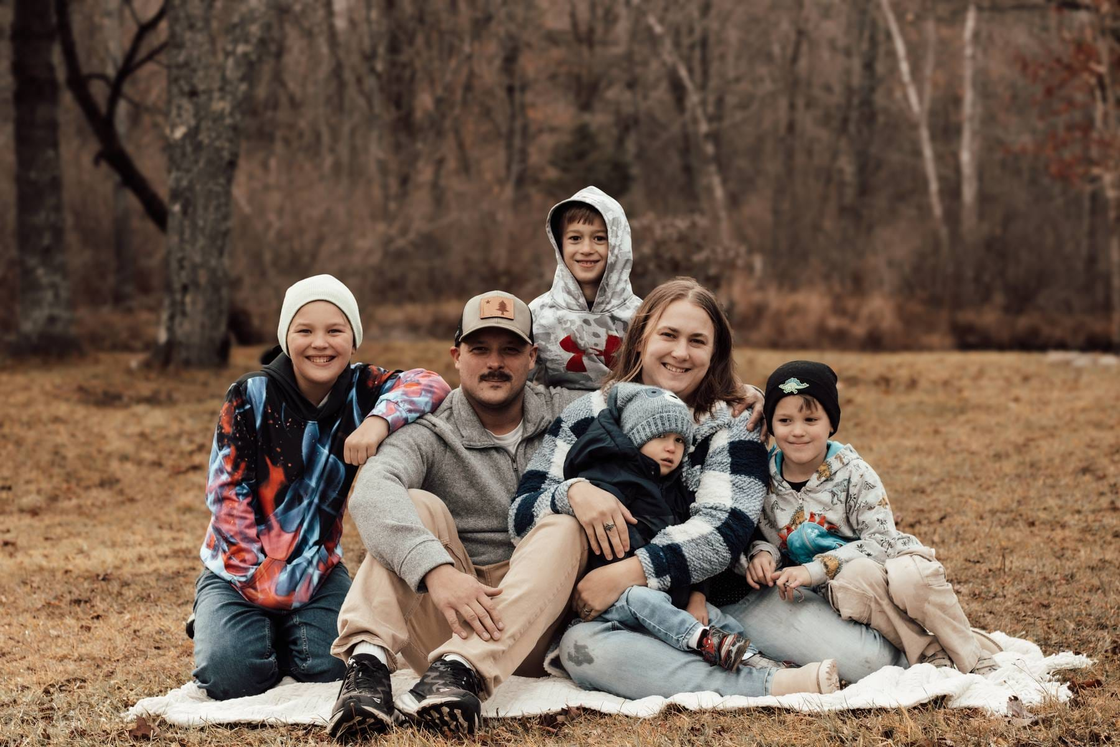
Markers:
point(579, 324)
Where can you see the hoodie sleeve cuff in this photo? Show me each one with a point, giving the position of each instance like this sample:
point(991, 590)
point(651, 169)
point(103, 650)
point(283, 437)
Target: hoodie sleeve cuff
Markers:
point(817, 575)
point(421, 559)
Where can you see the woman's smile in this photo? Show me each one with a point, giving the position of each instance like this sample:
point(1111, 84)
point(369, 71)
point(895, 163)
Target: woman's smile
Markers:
point(678, 348)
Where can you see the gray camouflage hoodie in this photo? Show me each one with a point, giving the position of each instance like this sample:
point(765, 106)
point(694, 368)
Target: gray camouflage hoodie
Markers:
point(577, 344)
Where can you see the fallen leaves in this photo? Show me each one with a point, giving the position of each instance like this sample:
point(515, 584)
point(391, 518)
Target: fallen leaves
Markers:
point(142, 730)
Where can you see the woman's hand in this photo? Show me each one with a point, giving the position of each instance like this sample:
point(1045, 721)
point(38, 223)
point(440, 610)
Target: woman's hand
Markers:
point(603, 517)
point(760, 569)
point(603, 586)
point(698, 606)
point(752, 397)
point(363, 442)
point(789, 579)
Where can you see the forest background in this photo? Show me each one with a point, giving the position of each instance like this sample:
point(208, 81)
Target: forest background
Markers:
point(865, 174)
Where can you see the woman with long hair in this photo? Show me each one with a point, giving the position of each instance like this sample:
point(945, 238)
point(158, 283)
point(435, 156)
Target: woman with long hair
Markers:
point(679, 340)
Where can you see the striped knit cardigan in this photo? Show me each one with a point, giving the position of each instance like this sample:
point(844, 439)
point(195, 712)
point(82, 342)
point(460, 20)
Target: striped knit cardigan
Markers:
point(726, 470)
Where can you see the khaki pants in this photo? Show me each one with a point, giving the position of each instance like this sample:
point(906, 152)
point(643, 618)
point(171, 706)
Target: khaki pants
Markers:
point(909, 601)
point(537, 584)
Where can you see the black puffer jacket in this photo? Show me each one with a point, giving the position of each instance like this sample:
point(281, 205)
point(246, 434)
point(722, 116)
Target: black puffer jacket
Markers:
point(606, 457)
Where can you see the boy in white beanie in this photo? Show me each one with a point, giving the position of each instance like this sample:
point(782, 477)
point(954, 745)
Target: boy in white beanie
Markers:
point(290, 439)
point(634, 450)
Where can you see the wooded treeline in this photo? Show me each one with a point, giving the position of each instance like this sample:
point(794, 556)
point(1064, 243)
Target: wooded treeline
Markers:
point(876, 173)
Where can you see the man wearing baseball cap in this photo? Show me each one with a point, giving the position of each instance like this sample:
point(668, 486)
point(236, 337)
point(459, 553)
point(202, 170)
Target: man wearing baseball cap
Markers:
point(442, 587)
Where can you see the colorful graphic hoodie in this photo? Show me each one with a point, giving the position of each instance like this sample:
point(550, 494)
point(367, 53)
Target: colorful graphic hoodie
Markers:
point(577, 344)
point(844, 496)
point(277, 484)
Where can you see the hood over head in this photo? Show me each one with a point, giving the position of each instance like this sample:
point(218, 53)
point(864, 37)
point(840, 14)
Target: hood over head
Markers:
point(614, 288)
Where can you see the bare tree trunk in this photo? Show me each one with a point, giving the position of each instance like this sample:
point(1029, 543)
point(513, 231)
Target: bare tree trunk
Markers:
point(207, 90)
point(515, 85)
point(717, 201)
point(970, 149)
point(784, 243)
point(1105, 125)
point(124, 267)
point(45, 317)
point(336, 127)
point(863, 132)
point(920, 110)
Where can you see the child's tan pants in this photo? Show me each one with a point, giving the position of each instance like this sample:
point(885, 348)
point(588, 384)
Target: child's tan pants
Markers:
point(537, 584)
point(909, 601)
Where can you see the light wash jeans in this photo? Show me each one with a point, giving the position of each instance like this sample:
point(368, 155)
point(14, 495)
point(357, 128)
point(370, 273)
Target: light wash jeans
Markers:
point(243, 649)
point(605, 655)
point(644, 609)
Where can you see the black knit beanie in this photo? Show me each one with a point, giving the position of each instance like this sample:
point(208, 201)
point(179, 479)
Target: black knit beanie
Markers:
point(803, 377)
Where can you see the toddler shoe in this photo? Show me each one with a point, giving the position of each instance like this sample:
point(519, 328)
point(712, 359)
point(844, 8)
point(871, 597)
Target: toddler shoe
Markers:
point(820, 678)
point(722, 649)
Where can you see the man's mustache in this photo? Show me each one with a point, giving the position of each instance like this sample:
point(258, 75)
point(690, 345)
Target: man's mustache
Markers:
point(496, 376)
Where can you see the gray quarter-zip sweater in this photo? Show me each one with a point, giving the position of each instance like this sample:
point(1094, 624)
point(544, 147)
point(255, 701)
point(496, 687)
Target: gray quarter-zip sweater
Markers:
point(450, 454)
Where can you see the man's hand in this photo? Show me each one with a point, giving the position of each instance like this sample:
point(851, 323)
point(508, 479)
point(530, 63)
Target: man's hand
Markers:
point(603, 518)
point(698, 606)
point(458, 595)
point(363, 442)
point(760, 569)
point(789, 579)
point(602, 587)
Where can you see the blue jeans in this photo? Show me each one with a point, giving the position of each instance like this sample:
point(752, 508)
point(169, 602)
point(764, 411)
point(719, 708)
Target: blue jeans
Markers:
point(607, 656)
point(243, 649)
point(642, 608)
point(811, 630)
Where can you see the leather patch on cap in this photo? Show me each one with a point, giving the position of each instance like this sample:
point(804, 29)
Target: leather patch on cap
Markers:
point(496, 306)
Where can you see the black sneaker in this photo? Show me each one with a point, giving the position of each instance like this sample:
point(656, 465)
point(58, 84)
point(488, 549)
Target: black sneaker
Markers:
point(445, 698)
point(365, 700)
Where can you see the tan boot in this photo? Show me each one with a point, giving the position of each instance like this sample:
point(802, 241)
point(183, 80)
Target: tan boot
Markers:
point(819, 677)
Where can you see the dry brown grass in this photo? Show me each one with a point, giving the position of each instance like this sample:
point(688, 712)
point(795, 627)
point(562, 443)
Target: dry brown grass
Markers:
point(1006, 463)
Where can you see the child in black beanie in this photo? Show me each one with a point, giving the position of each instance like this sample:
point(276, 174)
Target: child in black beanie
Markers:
point(827, 524)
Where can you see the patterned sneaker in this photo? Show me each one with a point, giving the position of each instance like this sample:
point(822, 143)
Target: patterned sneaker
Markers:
point(937, 658)
point(365, 700)
point(985, 666)
point(445, 698)
point(722, 649)
point(758, 661)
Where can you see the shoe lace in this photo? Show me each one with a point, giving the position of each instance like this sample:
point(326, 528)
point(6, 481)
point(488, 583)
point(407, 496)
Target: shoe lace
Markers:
point(450, 674)
point(362, 675)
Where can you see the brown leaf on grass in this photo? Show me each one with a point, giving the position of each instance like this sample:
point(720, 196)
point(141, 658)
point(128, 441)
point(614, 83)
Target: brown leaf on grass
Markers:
point(1017, 713)
point(143, 730)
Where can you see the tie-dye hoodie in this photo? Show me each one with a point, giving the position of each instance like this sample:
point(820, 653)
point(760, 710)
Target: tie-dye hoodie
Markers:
point(577, 345)
point(277, 484)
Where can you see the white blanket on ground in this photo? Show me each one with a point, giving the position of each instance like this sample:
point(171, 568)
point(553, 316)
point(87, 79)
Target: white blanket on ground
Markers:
point(1024, 673)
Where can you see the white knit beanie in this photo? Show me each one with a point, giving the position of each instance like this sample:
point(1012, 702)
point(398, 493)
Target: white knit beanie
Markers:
point(319, 288)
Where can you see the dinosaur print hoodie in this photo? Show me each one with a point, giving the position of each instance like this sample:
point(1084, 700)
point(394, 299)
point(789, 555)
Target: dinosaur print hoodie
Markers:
point(846, 497)
point(577, 344)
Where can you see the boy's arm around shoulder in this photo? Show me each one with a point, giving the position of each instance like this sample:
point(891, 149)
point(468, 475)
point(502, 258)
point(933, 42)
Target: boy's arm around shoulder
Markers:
point(869, 513)
point(384, 513)
point(404, 396)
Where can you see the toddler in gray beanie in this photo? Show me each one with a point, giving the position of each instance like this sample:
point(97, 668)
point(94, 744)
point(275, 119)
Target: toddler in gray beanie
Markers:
point(648, 414)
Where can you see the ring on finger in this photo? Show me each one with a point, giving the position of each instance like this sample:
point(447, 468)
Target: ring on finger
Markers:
point(608, 526)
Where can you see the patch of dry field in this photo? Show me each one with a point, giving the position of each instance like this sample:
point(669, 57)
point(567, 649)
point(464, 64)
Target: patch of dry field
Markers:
point(1007, 463)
